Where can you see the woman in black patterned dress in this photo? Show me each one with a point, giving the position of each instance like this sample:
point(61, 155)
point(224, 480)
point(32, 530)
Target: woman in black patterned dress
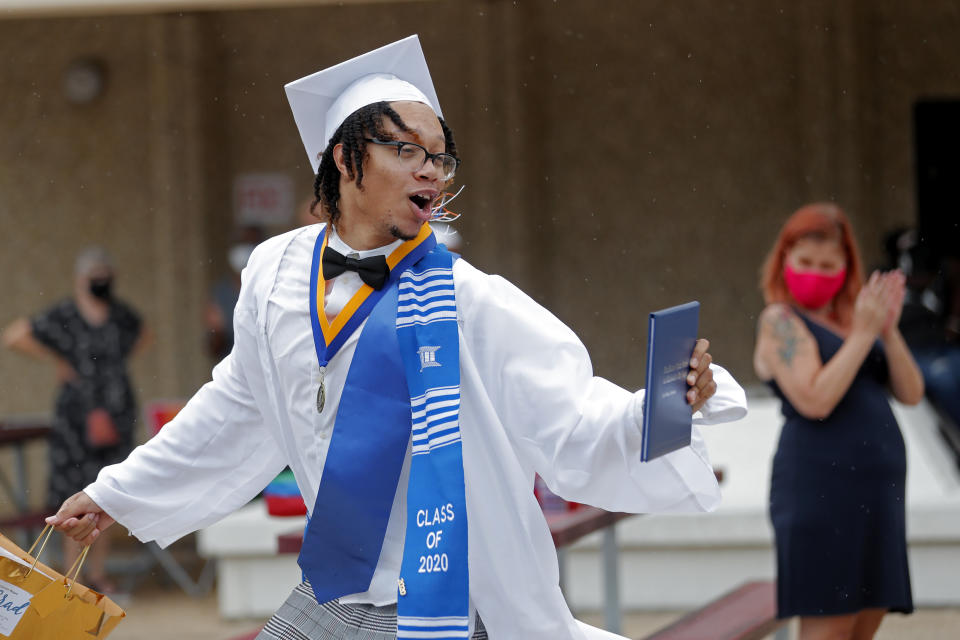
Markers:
point(89, 337)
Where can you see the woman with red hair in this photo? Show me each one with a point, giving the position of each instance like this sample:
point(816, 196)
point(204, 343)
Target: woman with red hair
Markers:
point(829, 346)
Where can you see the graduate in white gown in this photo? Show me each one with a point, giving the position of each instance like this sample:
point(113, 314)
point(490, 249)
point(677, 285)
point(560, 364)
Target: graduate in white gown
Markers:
point(287, 395)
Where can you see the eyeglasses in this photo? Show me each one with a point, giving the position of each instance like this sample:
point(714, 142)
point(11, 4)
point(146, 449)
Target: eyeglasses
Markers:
point(414, 157)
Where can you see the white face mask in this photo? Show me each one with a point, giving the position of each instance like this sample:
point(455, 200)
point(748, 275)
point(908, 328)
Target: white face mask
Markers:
point(238, 256)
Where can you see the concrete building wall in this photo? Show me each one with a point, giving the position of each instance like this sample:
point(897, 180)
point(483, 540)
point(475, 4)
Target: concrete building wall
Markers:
point(619, 156)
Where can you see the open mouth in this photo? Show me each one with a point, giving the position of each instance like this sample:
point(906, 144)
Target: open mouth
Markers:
point(420, 201)
point(423, 203)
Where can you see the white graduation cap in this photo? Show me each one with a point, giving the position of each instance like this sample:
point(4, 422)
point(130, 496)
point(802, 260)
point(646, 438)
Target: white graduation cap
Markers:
point(323, 100)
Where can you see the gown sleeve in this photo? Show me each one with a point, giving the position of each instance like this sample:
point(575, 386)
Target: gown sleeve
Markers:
point(218, 453)
point(579, 432)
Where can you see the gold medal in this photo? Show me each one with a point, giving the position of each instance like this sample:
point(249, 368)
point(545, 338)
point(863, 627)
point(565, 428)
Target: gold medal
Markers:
point(321, 392)
point(325, 331)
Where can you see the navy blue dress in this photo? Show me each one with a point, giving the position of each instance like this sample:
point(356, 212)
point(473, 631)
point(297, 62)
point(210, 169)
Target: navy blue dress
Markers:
point(837, 500)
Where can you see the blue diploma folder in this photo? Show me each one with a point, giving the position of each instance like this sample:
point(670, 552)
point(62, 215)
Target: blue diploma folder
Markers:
point(667, 420)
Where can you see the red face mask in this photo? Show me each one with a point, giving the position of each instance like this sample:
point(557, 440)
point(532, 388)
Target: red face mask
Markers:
point(812, 289)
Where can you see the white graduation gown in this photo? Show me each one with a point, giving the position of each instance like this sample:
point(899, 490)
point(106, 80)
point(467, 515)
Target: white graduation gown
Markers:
point(530, 404)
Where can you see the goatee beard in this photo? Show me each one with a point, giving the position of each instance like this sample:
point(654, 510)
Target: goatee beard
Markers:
point(396, 233)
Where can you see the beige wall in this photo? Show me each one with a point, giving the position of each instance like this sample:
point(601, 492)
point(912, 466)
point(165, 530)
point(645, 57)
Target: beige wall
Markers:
point(619, 156)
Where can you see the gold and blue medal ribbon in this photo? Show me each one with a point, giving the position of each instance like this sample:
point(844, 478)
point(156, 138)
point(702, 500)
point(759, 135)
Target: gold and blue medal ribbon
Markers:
point(344, 535)
point(329, 336)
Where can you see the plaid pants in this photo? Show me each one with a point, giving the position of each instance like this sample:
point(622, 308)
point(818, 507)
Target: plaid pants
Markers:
point(301, 618)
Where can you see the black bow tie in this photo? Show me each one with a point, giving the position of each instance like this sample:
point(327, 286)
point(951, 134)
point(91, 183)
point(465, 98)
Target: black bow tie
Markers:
point(373, 270)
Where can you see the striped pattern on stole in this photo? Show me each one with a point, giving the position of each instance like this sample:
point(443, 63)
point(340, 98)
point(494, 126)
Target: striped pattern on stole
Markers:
point(433, 594)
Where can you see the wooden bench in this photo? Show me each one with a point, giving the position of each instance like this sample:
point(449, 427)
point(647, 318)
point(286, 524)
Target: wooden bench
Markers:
point(16, 435)
point(565, 528)
point(30, 520)
point(748, 612)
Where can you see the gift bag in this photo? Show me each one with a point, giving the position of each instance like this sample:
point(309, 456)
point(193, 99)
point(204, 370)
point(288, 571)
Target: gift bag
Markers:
point(37, 603)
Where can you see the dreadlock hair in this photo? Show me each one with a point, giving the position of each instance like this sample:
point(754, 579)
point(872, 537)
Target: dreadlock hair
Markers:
point(365, 122)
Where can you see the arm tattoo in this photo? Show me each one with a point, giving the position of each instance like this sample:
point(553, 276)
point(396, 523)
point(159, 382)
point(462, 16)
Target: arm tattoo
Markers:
point(786, 335)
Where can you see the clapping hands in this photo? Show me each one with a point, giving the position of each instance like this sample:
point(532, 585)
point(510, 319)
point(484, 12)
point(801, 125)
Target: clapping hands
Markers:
point(879, 303)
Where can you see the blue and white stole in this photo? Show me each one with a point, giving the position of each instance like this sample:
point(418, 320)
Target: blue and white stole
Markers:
point(434, 590)
point(403, 384)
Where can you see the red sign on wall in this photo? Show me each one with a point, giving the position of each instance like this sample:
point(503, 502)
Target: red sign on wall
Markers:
point(264, 199)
